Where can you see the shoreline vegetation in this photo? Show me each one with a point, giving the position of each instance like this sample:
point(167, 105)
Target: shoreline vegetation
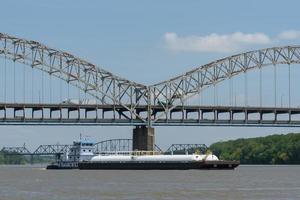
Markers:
point(273, 149)
point(15, 159)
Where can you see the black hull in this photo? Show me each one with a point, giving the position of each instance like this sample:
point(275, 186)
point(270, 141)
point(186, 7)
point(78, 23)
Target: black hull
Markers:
point(53, 166)
point(214, 165)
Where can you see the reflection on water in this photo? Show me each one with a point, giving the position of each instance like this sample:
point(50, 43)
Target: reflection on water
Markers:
point(246, 182)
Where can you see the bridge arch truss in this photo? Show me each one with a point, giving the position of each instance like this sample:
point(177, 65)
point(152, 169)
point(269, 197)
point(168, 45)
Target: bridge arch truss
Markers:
point(176, 91)
point(107, 88)
point(137, 103)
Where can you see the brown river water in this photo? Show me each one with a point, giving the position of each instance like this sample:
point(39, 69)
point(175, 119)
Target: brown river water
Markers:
point(245, 182)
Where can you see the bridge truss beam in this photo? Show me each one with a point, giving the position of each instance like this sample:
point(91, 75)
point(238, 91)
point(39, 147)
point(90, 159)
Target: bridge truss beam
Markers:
point(190, 148)
point(16, 150)
point(102, 85)
point(60, 114)
point(177, 90)
point(132, 103)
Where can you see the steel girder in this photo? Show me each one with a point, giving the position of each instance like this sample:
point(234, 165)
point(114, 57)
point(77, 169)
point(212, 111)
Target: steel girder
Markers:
point(52, 149)
point(103, 85)
point(116, 145)
point(179, 148)
point(113, 90)
point(176, 91)
point(16, 150)
point(41, 150)
point(113, 145)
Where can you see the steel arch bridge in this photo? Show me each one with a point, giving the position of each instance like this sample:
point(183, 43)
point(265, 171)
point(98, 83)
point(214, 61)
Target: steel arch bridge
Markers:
point(124, 102)
point(102, 147)
point(115, 145)
point(186, 148)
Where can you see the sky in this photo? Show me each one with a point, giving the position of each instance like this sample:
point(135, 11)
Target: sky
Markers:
point(148, 42)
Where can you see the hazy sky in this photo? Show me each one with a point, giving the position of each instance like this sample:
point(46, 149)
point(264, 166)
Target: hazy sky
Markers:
point(148, 41)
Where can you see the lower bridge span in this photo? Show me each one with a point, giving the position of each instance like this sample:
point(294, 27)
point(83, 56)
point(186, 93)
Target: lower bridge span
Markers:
point(72, 114)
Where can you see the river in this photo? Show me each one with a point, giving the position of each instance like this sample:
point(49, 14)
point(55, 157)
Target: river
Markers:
point(245, 182)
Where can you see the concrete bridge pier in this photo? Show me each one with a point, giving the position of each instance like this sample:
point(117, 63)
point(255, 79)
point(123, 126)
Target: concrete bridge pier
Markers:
point(143, 138)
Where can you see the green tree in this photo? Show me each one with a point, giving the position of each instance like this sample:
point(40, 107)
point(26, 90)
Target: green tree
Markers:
point(273, 149)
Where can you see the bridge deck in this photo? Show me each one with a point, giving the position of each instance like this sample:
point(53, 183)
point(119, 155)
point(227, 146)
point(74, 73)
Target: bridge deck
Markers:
point(74, 114)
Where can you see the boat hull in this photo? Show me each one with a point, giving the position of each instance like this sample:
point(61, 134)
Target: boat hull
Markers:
point(209, 165)
point(54, 166)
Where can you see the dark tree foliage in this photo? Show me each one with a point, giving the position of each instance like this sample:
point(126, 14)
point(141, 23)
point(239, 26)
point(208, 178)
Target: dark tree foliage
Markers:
point(17, 159)
point(12, 159)
point(274, 149)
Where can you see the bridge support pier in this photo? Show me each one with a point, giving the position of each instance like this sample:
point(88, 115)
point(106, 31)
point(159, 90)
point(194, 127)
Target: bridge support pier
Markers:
point(143, 138)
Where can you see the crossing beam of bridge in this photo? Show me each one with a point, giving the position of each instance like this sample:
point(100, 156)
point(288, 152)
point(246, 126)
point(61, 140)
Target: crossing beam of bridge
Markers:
point(186, 148)
point(143, 138)
point(119, 101)
point(16, 150)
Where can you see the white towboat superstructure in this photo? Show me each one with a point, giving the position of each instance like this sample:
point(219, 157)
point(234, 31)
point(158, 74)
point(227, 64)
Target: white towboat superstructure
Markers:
point(82, 150)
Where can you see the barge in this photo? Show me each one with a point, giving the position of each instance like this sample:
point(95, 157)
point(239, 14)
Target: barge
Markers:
point(81, 156)
point(156, 162)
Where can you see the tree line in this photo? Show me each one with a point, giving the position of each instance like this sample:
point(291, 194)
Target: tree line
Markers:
point(273, 149)
point(17, 159)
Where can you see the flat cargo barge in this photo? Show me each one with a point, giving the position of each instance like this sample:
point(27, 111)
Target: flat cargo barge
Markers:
point(156, 162)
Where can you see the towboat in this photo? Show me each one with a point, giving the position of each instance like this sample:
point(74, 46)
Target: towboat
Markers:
point(79, 151)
